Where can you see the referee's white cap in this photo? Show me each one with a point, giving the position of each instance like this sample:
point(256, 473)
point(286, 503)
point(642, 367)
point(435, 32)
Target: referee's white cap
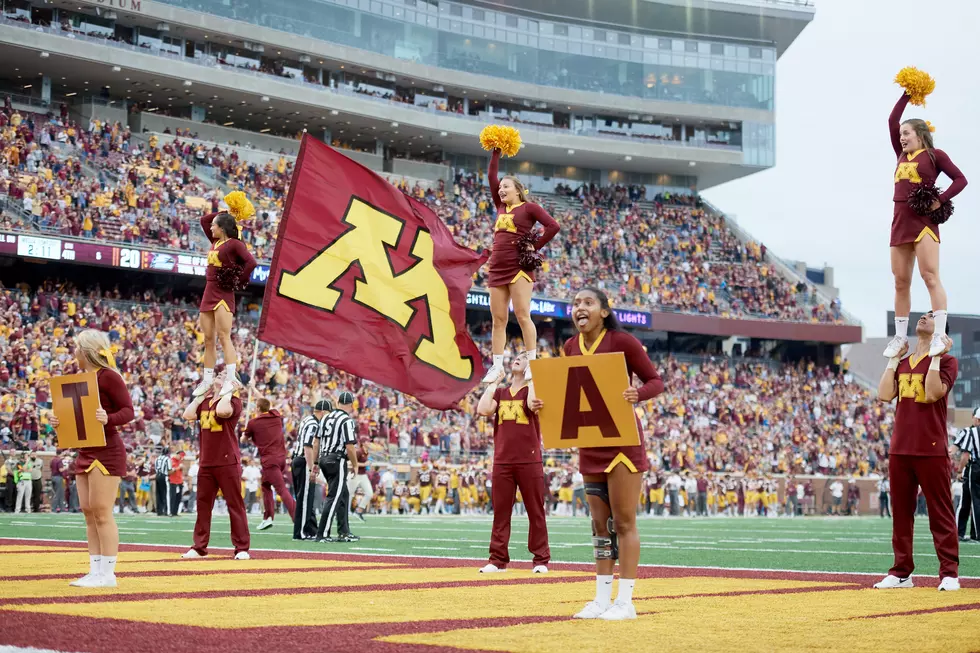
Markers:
point(976, 413)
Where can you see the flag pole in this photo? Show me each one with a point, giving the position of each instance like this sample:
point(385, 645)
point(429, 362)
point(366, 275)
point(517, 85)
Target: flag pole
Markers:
point(251, 379)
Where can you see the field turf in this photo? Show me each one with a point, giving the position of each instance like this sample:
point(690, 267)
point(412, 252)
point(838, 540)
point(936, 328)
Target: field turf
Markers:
point(824, 544)
point(411, 586)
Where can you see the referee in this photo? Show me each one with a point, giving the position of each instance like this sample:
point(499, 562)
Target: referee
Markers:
point(163, 468)
point(304, 467)
point(968, 443)
point(335, 441)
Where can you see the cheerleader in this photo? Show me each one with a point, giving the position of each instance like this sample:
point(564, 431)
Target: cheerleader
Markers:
point(512, 261)
point(613, 475)
point(919, 210)
point(230, 266)
point(98, 469)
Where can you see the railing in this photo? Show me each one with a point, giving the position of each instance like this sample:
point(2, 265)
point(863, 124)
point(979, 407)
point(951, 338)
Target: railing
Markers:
point(212, 62)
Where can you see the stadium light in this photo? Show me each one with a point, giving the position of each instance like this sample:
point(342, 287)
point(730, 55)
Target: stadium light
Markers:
point(628, 157)
point(444, 133)
point(45, 55)
point(692, 163)
point(394, 124)
point(188, 82)
point(334, 112)
point(116, 69)
point(571, 152)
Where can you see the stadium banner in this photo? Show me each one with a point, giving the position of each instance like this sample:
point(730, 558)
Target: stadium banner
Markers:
point(370, 281)
point(74, 400)
point(553, 308)
point(583, 402)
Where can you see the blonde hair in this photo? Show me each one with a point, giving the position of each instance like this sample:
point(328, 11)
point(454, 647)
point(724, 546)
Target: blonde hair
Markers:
point(522, 191)
point(921, 129)
point(95, 347)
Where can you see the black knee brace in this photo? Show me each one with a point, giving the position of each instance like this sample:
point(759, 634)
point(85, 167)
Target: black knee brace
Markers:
point(603, 548)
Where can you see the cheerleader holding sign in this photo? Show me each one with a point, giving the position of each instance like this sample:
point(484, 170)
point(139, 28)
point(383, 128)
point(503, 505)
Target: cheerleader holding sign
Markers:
point(919, 210)
point(230, 266)
point(515, 245)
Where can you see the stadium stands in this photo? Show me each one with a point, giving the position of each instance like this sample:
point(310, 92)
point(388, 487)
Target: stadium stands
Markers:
point(664, 253)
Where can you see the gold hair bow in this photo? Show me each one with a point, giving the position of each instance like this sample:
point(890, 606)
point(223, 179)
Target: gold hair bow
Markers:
point(107, 354)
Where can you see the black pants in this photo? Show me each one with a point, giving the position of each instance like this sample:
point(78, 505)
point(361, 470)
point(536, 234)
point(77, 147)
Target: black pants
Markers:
point(970, 503)
point(36, 495)
point(304, 522)
point(338, 497)
point(883, 507)
point(176, 491)
point(163, 495)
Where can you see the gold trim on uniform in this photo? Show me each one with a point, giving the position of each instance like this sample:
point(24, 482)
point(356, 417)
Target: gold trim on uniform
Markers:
point(927, 231)
point(588, 351)
point(99, 466)
point(621, 458)
point(522, 275)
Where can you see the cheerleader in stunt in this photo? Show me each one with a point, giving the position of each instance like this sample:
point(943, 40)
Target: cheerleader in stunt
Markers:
point(513, 259)
point(919, 210)
point(230, 266)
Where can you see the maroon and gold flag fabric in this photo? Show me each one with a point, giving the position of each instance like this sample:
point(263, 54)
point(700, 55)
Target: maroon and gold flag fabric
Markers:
point(370, 281)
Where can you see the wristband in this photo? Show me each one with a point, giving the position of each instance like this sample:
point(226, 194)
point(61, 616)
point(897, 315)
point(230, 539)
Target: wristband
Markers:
point(893, 364)
point(934, 365)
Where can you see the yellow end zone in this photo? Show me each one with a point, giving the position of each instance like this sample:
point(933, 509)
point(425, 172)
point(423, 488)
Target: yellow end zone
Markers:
point(480, 601)
point(755, 623)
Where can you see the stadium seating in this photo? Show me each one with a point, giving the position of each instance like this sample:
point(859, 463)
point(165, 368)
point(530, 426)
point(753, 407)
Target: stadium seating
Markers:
point(719, 415)
point(666, 253)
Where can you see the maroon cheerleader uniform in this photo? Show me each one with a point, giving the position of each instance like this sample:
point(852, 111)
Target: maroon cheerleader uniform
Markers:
point(511, 225)
point(921, 167)
point(602, 460)
point(116, 402)
point(230, 251)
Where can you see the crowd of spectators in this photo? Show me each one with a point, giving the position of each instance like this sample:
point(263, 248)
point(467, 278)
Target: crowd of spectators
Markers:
point(662, 253)
point(720, 415)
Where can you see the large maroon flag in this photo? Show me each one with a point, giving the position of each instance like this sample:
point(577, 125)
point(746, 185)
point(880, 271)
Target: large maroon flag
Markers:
point(370, 281)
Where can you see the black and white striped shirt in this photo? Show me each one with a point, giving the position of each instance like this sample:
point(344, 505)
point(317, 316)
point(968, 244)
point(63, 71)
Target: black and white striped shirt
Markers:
point(162, 464)
point(308, 430)
point(337, 430)
point(968, 441)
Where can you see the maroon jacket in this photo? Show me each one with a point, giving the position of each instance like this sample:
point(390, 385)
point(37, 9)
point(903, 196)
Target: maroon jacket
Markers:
point(266, 430)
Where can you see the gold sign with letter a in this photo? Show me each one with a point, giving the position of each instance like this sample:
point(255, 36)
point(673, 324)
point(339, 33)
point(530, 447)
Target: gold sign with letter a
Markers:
point(583, 402)
point(75, 398)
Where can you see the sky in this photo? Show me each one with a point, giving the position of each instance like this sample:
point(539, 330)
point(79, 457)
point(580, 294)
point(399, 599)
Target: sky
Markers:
point(828, 201)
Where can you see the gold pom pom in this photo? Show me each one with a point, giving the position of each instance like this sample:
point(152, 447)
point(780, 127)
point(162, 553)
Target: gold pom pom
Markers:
point(506, 138)
point(917, 84)
point(239, 206)
point(932, 128)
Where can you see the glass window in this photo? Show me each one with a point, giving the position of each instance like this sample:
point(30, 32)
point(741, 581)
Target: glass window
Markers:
point(624, 39)
point(511, 21)
point(755, 53)
point(664, 44)
point(561, 30)
point(479, 14)
point(410, 3)
point(599, 35)
point(718, 49)
point(690, 46)
point(455, 10)
point(532, 26)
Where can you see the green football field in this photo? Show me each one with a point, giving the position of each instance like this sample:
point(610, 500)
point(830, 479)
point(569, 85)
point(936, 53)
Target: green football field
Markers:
point(832, 544)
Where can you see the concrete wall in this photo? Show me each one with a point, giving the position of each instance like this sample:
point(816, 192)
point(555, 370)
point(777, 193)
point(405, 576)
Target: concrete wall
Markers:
point(89, 110)
point(405, 168)
point(152, 122)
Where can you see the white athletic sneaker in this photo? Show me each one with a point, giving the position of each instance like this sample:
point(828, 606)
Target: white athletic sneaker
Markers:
point(492, 569)
point(202, 388)
point(895, 346)
point(949, 584)
point(88, 580)
point(937, 346)
point(192, 553)
point(242, 555)
point(266, 523)
point(107, 580)
point(619, 612)
point(893, 582)
point(540, 569)
point(493, 373)
point(230, 385)
point(592, 610)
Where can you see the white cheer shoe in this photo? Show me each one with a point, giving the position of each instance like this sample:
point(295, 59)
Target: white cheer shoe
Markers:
point(592, 610)
point(891, 582)
point(895, 346)
point(619, 611)
point(491, 568)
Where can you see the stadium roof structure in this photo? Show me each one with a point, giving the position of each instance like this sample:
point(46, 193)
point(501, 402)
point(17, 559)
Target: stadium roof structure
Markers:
point(775, 22)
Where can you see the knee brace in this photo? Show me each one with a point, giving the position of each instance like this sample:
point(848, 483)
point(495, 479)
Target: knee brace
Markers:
point(603, 548)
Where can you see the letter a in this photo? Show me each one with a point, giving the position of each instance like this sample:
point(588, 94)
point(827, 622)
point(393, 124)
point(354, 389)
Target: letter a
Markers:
point(574, 418)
